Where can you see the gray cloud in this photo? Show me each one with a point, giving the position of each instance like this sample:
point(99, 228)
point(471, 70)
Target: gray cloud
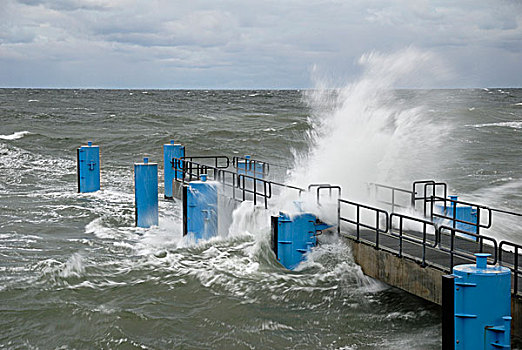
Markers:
point(233, 43)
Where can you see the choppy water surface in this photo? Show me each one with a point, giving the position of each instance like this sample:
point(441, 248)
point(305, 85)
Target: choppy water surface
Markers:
point(76, 273)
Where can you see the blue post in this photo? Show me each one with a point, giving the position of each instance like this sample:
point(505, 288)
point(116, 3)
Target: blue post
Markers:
point(172, 168)
point(146, 193)
point(88, 158)
point(482, 297)
point(463, 213)
point(293, 237)
point(250, 167)
point(200, 206)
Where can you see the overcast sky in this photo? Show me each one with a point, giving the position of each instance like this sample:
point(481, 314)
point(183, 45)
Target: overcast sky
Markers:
point(249, 44)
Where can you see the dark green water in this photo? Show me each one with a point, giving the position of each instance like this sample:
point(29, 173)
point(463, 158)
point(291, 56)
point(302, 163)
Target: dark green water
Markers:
point(76, 274)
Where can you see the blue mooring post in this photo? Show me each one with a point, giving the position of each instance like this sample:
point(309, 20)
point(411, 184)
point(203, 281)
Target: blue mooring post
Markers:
point(88, 159)
point(481, 306)
point(200, 206)
point(293, 237)
point(250, 167)
point(462, 213)
point(172, 168)
point(146, 193)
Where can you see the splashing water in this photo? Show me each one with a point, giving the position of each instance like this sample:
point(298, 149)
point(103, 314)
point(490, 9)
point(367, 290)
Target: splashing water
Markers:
point(365, 132)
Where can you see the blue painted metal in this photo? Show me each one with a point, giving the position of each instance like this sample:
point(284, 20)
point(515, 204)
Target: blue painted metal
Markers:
point(146, 193)
point(251, 168)
point(463, 213)
point(172, 169)
point(482, 305)
point(295, 236)
point(201, 205)
point(88, 168)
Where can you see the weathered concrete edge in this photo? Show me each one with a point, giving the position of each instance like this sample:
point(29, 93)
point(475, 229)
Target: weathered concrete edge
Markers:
point(408, 275)
point(424, 282)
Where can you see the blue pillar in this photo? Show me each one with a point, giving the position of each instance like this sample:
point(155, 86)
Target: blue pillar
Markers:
point(463, 213)
point(482, 309)
point(252, 168)
point(146, 193)
point(293, 237)
point(200, 206)
point(172, 169)
point(88, 158)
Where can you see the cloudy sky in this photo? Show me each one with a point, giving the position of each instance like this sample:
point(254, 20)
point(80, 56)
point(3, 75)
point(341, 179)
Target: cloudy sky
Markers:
point(249, 44)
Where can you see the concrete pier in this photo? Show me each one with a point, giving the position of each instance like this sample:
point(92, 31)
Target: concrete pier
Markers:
point(408, 274)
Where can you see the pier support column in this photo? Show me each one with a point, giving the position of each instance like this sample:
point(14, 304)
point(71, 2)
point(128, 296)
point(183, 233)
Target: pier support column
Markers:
point(146, 193)
point(172, 168)
point(200, 209)
point(88, 158)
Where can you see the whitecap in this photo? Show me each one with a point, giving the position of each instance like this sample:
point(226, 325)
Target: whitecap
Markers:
point(514, 125)
point(72, 267)
point(15, 136)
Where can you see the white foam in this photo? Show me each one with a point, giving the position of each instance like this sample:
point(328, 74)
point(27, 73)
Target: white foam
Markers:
point(514, 125)
point(74, 266)
point(362, 133)
point(15, 136)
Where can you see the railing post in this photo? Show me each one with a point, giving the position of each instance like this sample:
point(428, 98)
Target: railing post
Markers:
point(377, 230)
point(424, 245)
point(452, 246)
point(358, 221)
point(393, 200)
point(339, 216)
point(515, 270)
point(400, 236)
point(478, 222)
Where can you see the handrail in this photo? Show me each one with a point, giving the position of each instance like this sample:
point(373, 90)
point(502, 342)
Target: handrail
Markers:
point(383, 220)
point(393, 190)
point(378, 230)
point(426, 184)
point(453, 208)
point(228, 178)
point(460, 253)
point(325, 186)
point(423, 242)
point(251, 165)
point(215, 158)
point(506, 212)
point(265, 194)
point(516, 268)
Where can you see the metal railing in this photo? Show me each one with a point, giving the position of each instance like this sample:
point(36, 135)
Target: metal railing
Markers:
point(377, 227)
point(457, 243)
point(242, 186)
point(434, 235)
point(394, 191)
point(404, 236)
point(466, 254)
point(515, 264)
point(435, 215)
point(216, 160)
point(427, 184)
point(251, 165)
point(320, 187)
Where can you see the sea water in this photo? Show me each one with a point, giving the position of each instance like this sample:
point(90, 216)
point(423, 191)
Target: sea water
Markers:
point(76, 273)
